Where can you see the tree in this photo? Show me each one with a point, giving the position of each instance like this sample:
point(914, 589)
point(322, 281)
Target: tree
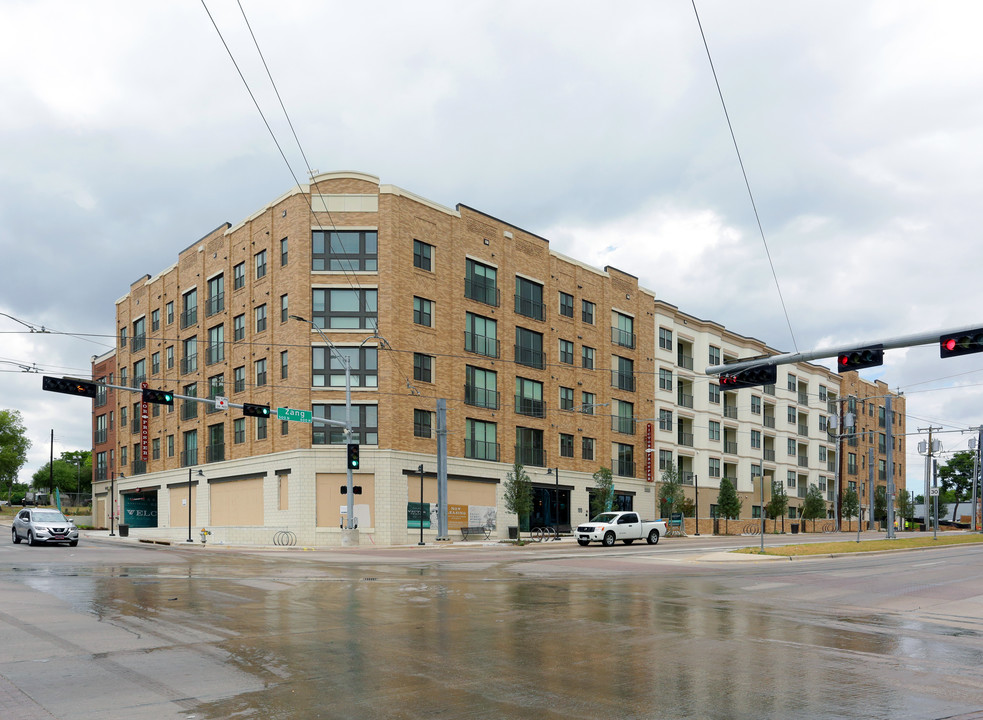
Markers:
point(671, 492)
point(880, 504)
point(602, 499)
point(14, 445)
point(728, 504)
point(518, 494)
point(906, 507)
point(850, 506)
point(778, 505)
point(72, 473)
point(814, 506)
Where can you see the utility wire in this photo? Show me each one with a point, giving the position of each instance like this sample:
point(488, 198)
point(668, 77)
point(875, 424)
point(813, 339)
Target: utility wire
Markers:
point(747, 183)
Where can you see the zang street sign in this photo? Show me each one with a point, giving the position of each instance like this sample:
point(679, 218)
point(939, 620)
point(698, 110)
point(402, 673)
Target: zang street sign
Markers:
point(306, 416)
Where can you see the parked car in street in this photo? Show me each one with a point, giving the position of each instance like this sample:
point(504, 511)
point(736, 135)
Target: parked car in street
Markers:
point(609, 527)
point(43, 525)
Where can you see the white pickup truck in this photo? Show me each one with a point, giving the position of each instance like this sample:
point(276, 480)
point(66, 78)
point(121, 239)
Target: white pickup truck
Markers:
point(609, 527)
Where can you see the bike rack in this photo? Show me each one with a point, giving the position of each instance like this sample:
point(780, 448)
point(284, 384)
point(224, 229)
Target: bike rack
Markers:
point(285, 538)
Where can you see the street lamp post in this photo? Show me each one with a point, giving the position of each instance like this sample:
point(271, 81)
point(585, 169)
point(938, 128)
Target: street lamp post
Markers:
point(421, 506)
point(696, 503)
point(349, 518)
point(200, 474)
point(112, 502)
point(556, 473)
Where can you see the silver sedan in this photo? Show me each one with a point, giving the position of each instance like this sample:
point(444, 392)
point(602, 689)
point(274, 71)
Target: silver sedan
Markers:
point(43, 525)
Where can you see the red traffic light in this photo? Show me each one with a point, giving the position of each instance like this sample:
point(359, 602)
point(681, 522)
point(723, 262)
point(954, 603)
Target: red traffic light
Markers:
point(749, 377)
point(964, 343)
point(860, 358)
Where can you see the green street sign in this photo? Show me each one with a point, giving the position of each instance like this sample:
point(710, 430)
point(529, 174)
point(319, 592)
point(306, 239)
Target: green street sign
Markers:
point(297, 415)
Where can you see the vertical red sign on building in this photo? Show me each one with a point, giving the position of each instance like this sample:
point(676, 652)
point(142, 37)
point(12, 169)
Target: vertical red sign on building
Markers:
point(648, 452)
point(144, 425)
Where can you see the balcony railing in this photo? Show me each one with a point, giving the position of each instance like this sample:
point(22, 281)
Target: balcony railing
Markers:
point(482, 291)
point(831, 466)
point(189, 409)
point(623, 381)
point(481, 450)
point(770, 455)
point(684, 399)
point(684, 361)
point(215, 452)
point(135, 425)
point(769, 421)
point(189, 457)
point(189, 317)
point(530, 357)
point(626, 468)
point(189, 364)
point(730, 411)
point(803, 398)
point(102, 473)
point(481, 344)
point(730, 448)
point(533, 456)
point(530, 308)
point(215, 304)
point(101, 436)
point(685, 477)
point(215, 354)
point(138, 467)
point(530, 407)
point(623, 425)
point(685, 438)
point(801, 491)
point(139, 343)
point(624, 338)
point(803, 461)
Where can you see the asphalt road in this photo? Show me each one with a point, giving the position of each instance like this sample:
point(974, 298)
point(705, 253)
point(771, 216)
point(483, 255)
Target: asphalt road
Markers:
point(119, 629)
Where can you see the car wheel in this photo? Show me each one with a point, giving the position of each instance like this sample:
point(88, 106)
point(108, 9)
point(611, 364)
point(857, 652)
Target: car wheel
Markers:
point(14, 536)
point(30, 538)
point(609, 539)
point(653, 538)
point(582, 543)
point(73, 543)
point(628, 542)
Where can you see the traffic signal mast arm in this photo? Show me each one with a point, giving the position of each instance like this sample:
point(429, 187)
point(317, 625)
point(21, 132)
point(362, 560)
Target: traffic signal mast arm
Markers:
point(927, 338)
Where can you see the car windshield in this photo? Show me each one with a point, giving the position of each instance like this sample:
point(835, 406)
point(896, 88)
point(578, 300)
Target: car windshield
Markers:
point(605, 518)
point(49, 516)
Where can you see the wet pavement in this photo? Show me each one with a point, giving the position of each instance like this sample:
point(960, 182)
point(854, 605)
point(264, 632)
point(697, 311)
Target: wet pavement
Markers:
point(125, 630)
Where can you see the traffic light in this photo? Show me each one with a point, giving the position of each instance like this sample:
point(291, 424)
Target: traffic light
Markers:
point(81, 388)
point(860, 358)
point(356, 489)
point(161, 397)
point(749, 377)
point(352, 456)
point(964, 343)
point(252, 410)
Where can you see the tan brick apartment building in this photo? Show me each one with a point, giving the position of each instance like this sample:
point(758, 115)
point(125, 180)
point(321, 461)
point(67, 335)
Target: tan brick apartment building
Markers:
point(541, 359)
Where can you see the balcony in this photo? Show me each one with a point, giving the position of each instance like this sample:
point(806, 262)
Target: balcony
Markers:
point(101, 436)
point(626, 468)
point(215, 304)
point(481, 450)
point(139, 343)
point(527, 455)
point(803, 461)
point(624, 338)
point(684, 399)
point(730, 448)
point(215, 452)
point(530, 357)
point(189, 409)
point(803, 398)
point(138, 467)
point(768, 389)
point(769, 455)
point(623, 381)
point(189, 317)
point(189, 364)
point(530, 308)
point(215, 354)
point(685, 477)
point(189, 457)
point(730, 411)
point(623, 425)
point(482, 291)
point(803, 429)
point(684, 361)
point(801, 491)
point(769, 421)
point(135, 425)
point(831, 466)
point(530, 407)
point(102, 473)
point(684, 438)
point(481, 345)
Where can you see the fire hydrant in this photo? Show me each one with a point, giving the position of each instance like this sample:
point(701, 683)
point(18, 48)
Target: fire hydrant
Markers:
point(204, 535)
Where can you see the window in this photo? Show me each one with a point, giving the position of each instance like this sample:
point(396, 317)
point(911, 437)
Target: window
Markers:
point(626, 459)
point(622, 329)
point(665, 459)
point(566, 305)
point(714, 467)
point(169, 356)
point(587, 312)
point(345, 308)
point(261, 425)
point(566, 398)
point(283, 251)
point(216, 387)
point(755, 404)
point(793, 383)
point(587, 357)
point(823, 393)
point(791, 479)
point(714, 393)
point(587, 403)
point(791, 415)
point(756, 439)
point(714, 431)
point(624, 419)
point(239, 379)
point(822, 458)
point(422, 420)
point(216, 344)
point(154, 366)
point(790, 446)
point(480, 440)
point(284, 309)
point(480, 335)
point(328, 368)
point(284, 365)
point(345, 250)
point(139, 372)
point(189, 316)
point(169, 311)
point(238, 328)
point(480, 283)
point(365, 425)
point(423, 367)
point(189, 456)
point(239, 276)
point(623, 374)
point(122, 337)
point(566, 445)
point(155, 321)
point(587, 448)
point(216, 295)
point(714, 355)
point(529, 348)
point(566, 352)
point(480, 387)
point(665, 379)
point(529, 398)
point(529, 448)
point(259, 313)
point(189, 363)
point(239, 431)
point(155, 448)
point(260, 259)
point(284, 427)
point(665, 338)
point(665, 419)
point(423, 311)
point(529, 299)
point(422, 257)
point(170, 446)
point(822, 423)
point(260, 366)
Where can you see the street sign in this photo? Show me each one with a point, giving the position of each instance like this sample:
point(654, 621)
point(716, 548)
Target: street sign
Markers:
point(933, 492)
point(306, 416)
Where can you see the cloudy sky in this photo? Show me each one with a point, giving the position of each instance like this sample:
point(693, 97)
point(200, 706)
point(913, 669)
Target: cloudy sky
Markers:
point(127, 134)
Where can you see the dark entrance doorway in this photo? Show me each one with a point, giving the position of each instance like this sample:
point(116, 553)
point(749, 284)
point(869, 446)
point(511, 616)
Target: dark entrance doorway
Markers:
point(550, 507)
